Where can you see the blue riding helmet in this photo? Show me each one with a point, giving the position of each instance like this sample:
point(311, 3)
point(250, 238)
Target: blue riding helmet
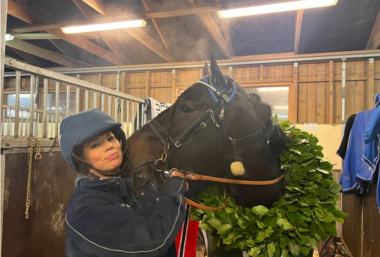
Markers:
point(81, 127)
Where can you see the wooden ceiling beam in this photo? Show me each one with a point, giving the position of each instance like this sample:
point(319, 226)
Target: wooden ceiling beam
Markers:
point(148, 41)
point(298, 31)
point(215, 32)
point(107, 38)
point(23, 12)
point(31, 59)
point(156, 22)
point(97, 5)
point(227, 33)
point(42, 53)
point(374, 39)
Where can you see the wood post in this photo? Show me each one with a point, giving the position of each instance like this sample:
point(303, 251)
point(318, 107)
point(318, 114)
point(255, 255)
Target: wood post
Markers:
point(261, 72)
point(294, 111)
point(371, 84)
point(148, 84)
point(174, 80)
point(330, 98)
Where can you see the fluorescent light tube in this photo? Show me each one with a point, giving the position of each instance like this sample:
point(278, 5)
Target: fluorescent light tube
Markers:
point(9, 37)
point(268, 89)
point(281, 107)
point(273, 8)
point(104, 26)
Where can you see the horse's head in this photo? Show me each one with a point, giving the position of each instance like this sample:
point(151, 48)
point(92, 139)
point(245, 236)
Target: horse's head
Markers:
point(210, 123)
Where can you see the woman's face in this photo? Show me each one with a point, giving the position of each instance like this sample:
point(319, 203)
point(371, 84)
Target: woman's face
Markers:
point(104, 154)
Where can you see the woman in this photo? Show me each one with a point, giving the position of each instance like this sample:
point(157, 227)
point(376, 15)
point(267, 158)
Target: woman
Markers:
point(104, 216)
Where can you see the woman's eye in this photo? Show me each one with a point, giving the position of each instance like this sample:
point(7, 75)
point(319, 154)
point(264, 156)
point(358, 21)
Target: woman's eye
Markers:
point(111, 138)
point(186, 109)
point(95, 145)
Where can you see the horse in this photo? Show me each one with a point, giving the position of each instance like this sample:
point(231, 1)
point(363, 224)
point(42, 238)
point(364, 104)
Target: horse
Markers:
point(212, 124)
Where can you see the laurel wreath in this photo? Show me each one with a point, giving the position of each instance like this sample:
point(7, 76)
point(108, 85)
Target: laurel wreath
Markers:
point(293, 226)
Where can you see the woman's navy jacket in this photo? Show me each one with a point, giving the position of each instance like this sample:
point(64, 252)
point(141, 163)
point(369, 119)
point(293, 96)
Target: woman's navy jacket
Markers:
point(104, 218)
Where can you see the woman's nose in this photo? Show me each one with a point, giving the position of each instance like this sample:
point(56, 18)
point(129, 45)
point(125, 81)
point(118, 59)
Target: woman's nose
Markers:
point(108, 145)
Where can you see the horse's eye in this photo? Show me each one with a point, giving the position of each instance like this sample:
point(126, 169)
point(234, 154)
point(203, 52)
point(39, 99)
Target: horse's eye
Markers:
point(186, 109)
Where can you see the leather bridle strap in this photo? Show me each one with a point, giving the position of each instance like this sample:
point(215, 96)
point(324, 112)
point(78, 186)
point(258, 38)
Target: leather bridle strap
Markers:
point(203, 207)
point(193, 176)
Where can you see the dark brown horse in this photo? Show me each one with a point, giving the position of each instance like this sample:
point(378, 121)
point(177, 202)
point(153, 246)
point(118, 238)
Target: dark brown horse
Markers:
point(212, 124)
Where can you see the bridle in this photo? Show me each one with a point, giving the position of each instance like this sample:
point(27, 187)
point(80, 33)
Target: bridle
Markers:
point(222, 98)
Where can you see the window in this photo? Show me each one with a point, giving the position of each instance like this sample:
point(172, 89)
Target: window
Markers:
point(62, 102)
point(276, 97)
point(25, 102)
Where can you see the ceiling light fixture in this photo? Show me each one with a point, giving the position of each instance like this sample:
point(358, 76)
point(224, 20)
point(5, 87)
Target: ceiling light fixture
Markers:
point(274, 8)
point(281, 107)
point(269, 89)
point(9, 37)
point(104, 26)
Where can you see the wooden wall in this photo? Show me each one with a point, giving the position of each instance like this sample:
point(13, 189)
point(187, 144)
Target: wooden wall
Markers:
point(314, 96)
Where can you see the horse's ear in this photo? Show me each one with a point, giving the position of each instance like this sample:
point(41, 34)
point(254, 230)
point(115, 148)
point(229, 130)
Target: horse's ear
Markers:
point(217, 74)
point(205, 70)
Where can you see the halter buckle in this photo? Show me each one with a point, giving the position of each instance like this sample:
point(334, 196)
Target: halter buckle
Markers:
point(178, 144)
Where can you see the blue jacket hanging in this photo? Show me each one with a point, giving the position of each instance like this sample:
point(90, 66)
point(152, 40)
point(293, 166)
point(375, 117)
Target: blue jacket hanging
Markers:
point(353, 167)
point(371, 151)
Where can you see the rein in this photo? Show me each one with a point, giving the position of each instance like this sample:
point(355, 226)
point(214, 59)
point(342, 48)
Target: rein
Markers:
point(196, 177)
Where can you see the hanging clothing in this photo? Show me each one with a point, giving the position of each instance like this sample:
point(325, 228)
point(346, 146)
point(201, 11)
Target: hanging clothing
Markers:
point(149, 110)
point(347, 130)
point(353, 168)
point(372, 148)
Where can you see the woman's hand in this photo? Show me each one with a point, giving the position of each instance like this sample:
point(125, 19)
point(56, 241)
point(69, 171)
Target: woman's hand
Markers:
point(176, 173)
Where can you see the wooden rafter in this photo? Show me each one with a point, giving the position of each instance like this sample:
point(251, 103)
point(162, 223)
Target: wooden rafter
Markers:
point(109, 40)
point(227, 34)
point(23, 13)
point(148, 41)
point(64, 48)
point(374, 39)
point(156, 22)
point(31, 59)
point(215, 32)
point(43, 53)
point(97, 5)
point(298, 31)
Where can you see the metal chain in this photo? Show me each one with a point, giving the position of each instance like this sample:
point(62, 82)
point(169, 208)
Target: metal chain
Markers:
point(29, 183)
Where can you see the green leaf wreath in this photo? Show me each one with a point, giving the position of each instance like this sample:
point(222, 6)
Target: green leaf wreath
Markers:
point(293, 226)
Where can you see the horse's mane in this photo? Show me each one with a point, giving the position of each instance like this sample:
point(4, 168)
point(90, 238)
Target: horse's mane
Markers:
point(277, 139)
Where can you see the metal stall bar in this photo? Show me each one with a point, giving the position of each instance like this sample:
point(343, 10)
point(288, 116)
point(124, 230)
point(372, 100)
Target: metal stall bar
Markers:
point(68, 98)
point(102, 102)
point(17, 105)
point(122, 113)
point(44, 115)
point(32, 100)
point(51, 117)
point(56, 109)
point(109, 105)
point(138, 116)
point(117, 98)
point(133, 117)
point(127, 118)
point(86, 95)
point(77, 100)
point(22, 123)
point(95, 99)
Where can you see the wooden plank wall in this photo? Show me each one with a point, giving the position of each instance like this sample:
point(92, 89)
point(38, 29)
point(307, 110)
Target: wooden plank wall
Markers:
point(315, 88)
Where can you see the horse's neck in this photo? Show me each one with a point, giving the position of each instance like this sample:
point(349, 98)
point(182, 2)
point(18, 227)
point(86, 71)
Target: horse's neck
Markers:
point(262, 165)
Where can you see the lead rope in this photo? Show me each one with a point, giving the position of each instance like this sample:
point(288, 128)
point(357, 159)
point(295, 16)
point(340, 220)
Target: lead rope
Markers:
point(29, 184)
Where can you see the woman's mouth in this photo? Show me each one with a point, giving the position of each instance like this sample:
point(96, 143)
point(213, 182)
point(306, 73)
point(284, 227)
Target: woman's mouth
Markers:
point(112, 156)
